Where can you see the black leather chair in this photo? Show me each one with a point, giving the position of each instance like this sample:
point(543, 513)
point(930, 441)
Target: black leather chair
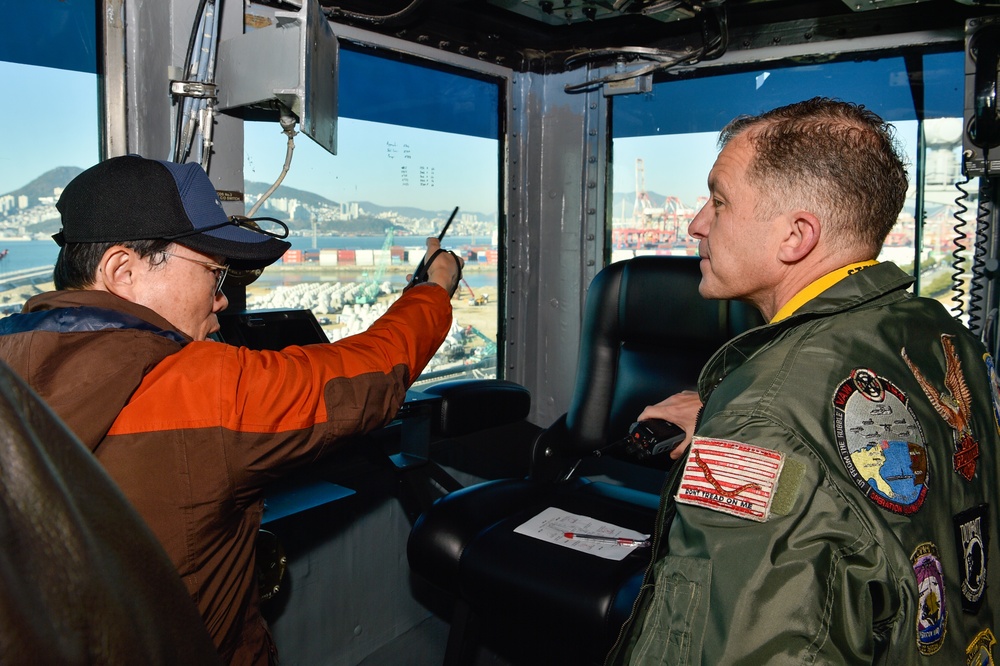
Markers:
point(82, 579)
point(646, 333)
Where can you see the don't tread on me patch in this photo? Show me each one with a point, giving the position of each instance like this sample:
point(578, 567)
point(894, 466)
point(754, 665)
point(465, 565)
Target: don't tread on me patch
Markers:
point(731, 477)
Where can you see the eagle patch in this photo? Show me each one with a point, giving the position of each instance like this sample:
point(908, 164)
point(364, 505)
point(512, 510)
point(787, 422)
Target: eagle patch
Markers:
point(953, 404)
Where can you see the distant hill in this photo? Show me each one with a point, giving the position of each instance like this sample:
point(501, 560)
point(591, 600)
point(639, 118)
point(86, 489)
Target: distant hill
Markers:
point(46, 184)
point(284, 192)
point(409, 211)
point(628, 199)
point(257, 189)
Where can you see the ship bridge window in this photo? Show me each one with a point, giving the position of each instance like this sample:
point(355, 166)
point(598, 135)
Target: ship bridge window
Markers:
point(664, 144)
point(414, 143)
point(48, 65)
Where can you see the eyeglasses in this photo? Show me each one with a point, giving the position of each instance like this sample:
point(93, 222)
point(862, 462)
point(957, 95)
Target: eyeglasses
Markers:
point(219, 270)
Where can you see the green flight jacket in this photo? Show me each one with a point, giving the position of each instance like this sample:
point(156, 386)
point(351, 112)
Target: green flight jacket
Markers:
point(875, 541)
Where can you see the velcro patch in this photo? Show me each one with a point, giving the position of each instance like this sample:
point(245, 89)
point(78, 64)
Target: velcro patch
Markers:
point(731, 477)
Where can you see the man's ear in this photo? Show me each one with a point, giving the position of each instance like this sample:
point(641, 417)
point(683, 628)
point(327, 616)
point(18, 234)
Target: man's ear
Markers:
point(801, 236)
point(118, 272)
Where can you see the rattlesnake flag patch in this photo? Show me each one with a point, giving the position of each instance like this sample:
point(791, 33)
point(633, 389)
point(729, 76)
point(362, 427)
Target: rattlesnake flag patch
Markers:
point(731, 477)
point(880, 441)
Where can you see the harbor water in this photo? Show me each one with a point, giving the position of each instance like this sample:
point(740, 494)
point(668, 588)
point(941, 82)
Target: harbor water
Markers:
point(27, 254)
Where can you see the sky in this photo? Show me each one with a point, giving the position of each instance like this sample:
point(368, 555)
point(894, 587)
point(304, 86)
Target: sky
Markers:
point(58, 126)
point(385, 164)
point(677, 165)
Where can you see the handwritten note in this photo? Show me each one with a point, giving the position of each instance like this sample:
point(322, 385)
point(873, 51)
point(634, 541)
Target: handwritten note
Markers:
point(552, 524)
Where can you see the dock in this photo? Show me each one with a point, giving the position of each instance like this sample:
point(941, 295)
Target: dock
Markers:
point(24, 277)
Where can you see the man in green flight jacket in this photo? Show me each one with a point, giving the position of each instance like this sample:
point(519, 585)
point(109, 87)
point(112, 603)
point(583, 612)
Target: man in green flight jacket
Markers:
point(834, 505)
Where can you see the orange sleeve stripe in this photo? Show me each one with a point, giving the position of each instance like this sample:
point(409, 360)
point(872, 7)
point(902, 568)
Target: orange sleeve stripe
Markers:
point(209, 384)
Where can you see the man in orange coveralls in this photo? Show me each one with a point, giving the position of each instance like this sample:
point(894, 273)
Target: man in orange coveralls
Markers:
point(193, 430)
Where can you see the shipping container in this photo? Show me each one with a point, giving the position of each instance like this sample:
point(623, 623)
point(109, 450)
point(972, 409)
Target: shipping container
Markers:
point(329, 257)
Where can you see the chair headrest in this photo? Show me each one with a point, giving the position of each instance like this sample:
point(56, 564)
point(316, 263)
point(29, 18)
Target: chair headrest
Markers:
point(658, 299)
point(646, 333)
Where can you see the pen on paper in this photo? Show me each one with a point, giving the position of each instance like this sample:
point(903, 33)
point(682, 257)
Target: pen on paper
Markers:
point(621, 541)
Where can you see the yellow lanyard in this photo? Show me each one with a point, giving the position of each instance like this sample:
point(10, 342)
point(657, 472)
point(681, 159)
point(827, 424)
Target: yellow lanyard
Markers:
point(817, 287)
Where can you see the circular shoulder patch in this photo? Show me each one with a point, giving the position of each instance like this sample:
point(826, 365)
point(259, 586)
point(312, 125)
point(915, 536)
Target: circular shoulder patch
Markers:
point(880, 441)
point(991, 370)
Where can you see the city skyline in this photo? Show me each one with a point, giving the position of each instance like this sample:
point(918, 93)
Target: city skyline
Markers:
point(19, 212)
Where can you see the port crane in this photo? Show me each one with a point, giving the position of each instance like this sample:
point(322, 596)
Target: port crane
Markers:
point(370, 291)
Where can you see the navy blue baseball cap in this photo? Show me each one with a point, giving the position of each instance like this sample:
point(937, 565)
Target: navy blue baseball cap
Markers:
point(133, 198)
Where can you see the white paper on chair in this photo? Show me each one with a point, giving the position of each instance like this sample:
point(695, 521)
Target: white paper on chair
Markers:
point(553, 524)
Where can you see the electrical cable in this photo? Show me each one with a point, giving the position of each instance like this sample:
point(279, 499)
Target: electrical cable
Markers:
point(287, 128)
point(195, 113)
point(663, 6)
point(377, 20)
point(180, 124)
point(206, 105)
point(979, 261)
point(195, 106)
point(661, 60)
point(958, 292)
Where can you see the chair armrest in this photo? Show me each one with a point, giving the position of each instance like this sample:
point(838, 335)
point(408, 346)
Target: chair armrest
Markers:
point(468, 405)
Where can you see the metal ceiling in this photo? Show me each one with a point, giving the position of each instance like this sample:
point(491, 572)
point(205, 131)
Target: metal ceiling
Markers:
point(542, 35)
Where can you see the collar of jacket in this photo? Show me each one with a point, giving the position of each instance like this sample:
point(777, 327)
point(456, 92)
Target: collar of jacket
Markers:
point(884, 280)
point(88, 310)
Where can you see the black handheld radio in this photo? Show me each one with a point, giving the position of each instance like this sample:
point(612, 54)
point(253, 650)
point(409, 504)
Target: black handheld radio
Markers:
point(420, 274)
point(653, 437)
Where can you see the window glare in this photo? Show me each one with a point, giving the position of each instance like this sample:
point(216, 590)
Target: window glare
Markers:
point(44, 148)
point(659, 177)
point(359, 222)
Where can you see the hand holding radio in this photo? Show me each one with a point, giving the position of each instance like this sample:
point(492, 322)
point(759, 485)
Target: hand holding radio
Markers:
point(682, 409)
point(653, 437)
point(443, 273)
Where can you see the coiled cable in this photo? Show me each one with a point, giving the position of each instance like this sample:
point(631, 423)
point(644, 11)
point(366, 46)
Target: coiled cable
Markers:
point(958, 258)
point(979, 254)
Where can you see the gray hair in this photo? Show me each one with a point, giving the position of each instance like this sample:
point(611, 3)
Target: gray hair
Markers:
point(839, 159)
